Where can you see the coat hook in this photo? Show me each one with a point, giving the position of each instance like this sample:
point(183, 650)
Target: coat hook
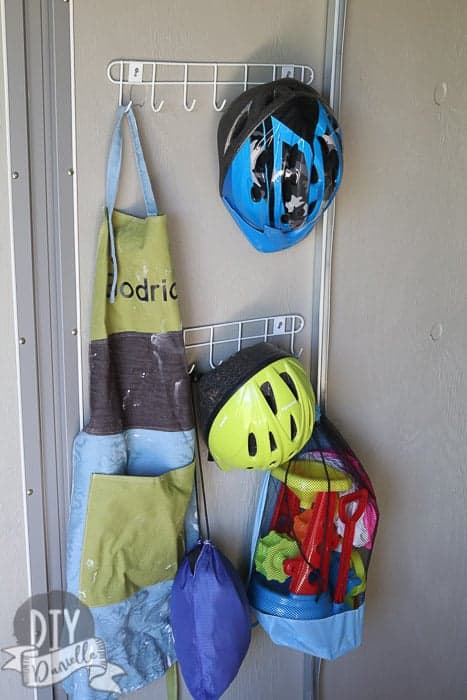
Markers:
point(296, 329)
point(185, 92)
point(212, 364)
point(135, 104)
point(153, 92)
point(217, 107)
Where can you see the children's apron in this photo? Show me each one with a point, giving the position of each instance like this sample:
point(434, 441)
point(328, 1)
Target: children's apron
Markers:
point(133, 463)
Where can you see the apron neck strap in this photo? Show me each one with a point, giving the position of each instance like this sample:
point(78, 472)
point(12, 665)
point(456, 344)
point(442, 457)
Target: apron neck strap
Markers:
point(114, 166)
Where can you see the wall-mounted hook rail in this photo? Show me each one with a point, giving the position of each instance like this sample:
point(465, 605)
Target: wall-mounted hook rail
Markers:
point(235, 335)
point(181, 73)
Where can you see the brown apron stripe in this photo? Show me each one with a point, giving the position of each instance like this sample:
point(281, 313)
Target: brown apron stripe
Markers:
point(139, 380)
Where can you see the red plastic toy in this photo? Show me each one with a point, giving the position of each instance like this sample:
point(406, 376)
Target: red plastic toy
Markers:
point(287, 507)
point(318, 537)
point(349, 519)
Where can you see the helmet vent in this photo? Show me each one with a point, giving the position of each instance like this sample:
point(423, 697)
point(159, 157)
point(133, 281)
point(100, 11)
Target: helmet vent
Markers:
point(252, 446)
point(290, 383)
point(334, 166)
point(272, 442)
point(324, 150)
point(256, 193)
point(314, 177)
point(238, 126)
point(293, 428)
point(268, 393)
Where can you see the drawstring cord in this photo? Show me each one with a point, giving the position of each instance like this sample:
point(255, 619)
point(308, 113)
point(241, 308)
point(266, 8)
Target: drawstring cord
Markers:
point(199, 469)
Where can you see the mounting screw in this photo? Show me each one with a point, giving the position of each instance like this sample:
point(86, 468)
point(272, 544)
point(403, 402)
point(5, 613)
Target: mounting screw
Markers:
point(74, 331)
point(70, 171)
point(436, 332)
point(15, 175)
point(440, 93)
point(22, 341)
point(29, 492)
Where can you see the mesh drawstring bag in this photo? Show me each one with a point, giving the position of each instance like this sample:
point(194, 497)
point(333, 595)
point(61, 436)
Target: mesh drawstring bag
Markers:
point(312, 541)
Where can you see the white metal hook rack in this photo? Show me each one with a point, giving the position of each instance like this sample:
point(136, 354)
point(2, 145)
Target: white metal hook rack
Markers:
point(235, 335)
point(155, 74)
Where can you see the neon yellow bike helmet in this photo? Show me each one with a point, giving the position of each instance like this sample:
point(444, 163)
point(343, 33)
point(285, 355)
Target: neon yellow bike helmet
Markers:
point(256, 409)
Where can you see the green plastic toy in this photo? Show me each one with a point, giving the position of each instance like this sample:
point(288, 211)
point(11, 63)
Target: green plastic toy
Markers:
point(271, 552)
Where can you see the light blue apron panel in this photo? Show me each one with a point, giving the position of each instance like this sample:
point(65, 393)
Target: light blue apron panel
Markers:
point(138, 638)
point(328, 638)
point(153, 452)
point(105, 454)
point(135, 452)
point(137, 631)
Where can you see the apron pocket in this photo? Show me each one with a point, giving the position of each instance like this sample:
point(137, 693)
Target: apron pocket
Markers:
point(134, 534)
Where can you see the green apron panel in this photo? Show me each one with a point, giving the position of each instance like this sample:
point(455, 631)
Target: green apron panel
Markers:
point(134, 535)
point(146, 296)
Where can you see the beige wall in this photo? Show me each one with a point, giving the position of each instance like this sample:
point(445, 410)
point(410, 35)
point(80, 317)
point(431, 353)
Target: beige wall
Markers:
point(397, 392)
point(13, 565)
point(221, 276)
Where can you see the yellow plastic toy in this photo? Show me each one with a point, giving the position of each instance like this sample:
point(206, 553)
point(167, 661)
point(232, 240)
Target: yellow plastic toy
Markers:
point(306, 478)
point(359, 569)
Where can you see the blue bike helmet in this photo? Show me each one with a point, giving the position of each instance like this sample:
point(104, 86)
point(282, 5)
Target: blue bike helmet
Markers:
point(280, 162)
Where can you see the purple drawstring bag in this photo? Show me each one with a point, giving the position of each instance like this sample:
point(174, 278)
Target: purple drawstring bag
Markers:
point(211, 621)
point(209, 611)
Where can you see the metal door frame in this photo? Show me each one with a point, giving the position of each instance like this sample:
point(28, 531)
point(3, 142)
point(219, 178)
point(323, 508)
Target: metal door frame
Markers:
point(40, 158)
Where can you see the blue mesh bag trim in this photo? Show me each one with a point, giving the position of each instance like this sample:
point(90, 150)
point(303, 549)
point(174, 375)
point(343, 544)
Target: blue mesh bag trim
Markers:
point(328, 638)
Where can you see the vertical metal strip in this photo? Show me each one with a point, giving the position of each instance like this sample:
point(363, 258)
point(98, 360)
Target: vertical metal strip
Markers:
point(75, 219)
point(16, 119)
point(48, 73)
point(335, 31)
point(311, 679)
point(334, 47)
point(23, 288)
point(56, 290)
point(38, 99)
